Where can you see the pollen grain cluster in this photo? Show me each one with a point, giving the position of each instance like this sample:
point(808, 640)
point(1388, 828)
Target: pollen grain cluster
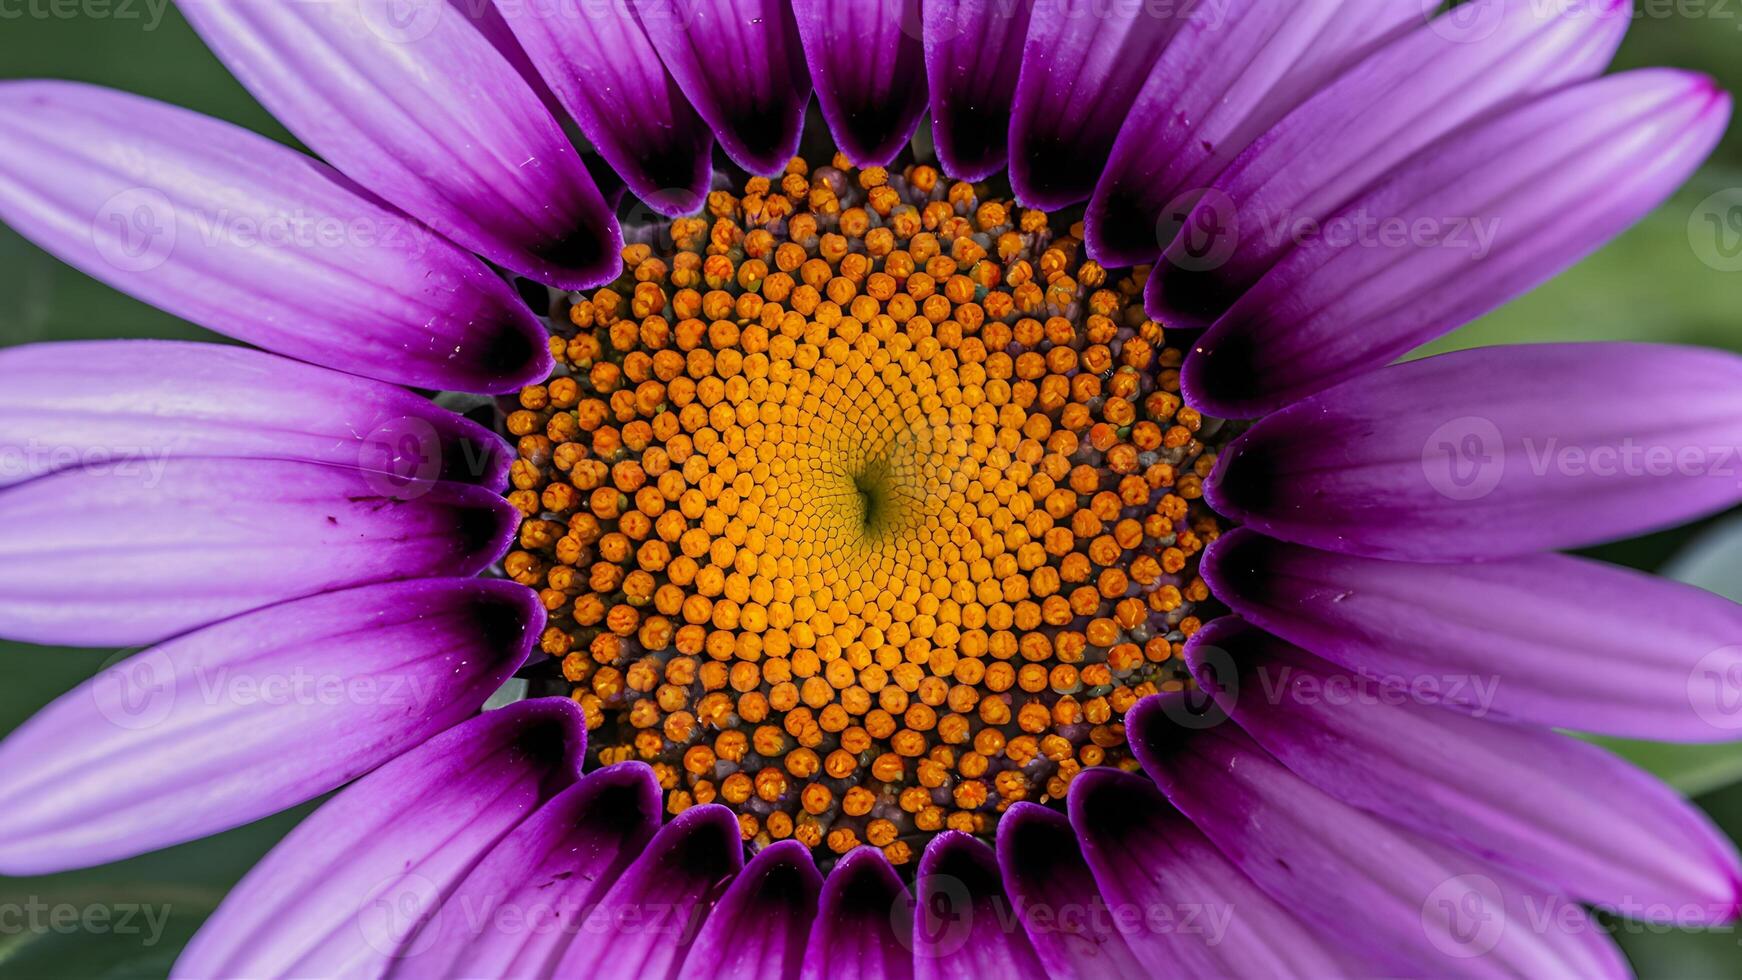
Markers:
point(864, 506)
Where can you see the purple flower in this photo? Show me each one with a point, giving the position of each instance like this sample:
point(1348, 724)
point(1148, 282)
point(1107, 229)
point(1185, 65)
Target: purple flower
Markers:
point(920, 614)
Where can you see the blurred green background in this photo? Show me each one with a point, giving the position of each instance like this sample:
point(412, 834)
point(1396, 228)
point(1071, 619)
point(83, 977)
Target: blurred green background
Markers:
point(1669, 279)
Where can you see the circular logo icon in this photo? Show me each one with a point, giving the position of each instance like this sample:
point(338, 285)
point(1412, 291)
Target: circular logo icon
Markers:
point(1464, 459)
point(1464, 917)
point(1715, 688)
point(138, 691)
point(402, 21)
point(1715, 230)
point(401, 458)
point(1200, 230)
point(135, 231)
point(942, 915)
point(1197, 709)
point(1467, 23)
point(401, 916)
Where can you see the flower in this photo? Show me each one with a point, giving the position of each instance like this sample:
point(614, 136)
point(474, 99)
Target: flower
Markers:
point(869, 519)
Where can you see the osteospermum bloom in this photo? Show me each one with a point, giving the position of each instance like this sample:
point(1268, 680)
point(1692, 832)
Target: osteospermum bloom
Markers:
point(922, 598)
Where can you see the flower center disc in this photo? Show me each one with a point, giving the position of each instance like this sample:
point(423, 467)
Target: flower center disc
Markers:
point(863, 506)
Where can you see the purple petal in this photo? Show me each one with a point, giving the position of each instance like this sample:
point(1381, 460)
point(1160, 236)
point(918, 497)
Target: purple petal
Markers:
point(1082, 67)
point(1552, 809)
point(423, 110)
point(644, 926)
point(1432, 247)
point(761, 925)
point(217, 728)
point(1550, 640)
point(345, 890)
point(80, 404)
point(1491, 54)
point(607, 74)
point(244, 236)
point(973, 57)
point(742, 65)
point(1219, 85)
point(492, 22)
point(141, 550)
point(1178, 900)
point(518, 910)
point(1494, 452)
point(863, 930)
point(963, 922)
point(1380, 891)
point(1062, 910)
point(868, 64)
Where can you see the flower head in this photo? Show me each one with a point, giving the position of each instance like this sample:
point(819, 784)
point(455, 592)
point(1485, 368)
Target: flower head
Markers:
point(1006, 552)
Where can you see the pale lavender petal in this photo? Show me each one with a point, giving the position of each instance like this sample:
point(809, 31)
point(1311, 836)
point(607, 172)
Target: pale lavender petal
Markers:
point(1551, 808)
point(868, 66)
point(1471, 455)
point(1491, 54)
point(1082, 67)
point(419, 107)
point(1478, 219)
point(644, 926)
point(138, 551)
point(1377, 890)
point(863, 929)
point(343, 893)
point(1550, 640)
point(763, 922)
point(962, 924)
point(81, 404)
point(246, 237)
point(973, 57)
point(1177, 899)
point(516, 913)
point(603, 67)
point(240, 720)
point(741, 64)
point(1219, 85)
point(1053, 890)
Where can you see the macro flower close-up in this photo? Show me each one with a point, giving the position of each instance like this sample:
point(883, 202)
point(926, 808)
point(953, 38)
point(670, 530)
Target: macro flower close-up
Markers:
point(875, 488)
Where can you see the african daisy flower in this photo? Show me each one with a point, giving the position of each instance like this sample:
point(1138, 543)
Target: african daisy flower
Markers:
point(1011, 552)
